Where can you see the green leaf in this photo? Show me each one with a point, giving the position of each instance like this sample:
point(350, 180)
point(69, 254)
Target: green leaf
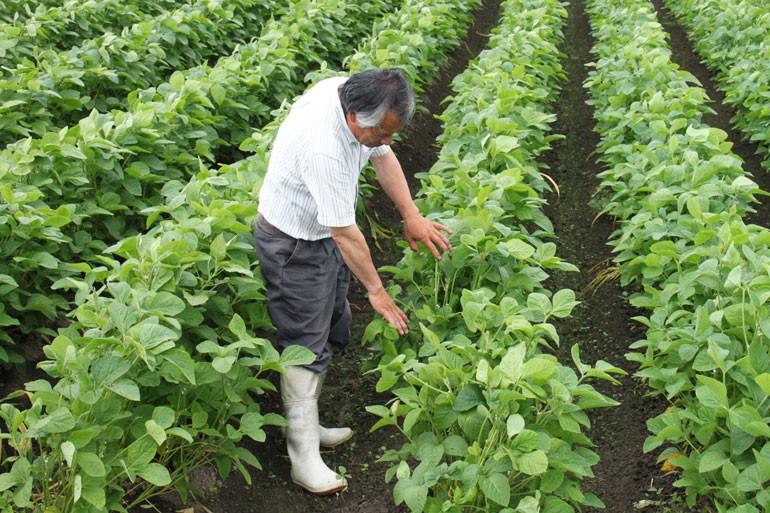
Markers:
point(68, 451)
point(251, 426)
point(551, 480)
point(506, 143)
point(710, 460)
point(412, 492)
point(539, 368)
point(711, 393)
point(455, 445)
point(469, 397)
point(237, 326)
point(563, 303)
point(182, 364)
point(18, 475)
point(152, 335)
point(223, 364)
point(540, 304)
point(164, 416)
point(512, 364)
point(515, 425)
point(91, 464)
point(181, 433)
point(81, 437)
point(519, 249)
point(218, 93)
point(296, 355)
point(126, 388)
point(763, 380)
point(59, 421)
point(556, 505)
point(165, 303)
point(533, 463)
point(77, 488)
point(496, 488)
point(528, 505)
point(155, 473)
point(750, 480)
point(155, 431)
point(482, 372)
point(93, 491)
point(106, 370)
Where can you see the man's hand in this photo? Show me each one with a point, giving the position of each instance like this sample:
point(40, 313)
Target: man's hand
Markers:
point(420, 229)
point(355, 252)
point(384, 305)
point(416, 227)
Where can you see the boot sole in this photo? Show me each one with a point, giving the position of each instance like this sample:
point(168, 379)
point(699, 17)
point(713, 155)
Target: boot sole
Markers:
point(322, 493)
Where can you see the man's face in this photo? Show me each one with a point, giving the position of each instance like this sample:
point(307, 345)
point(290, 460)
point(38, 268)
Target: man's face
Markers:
point(378, 135)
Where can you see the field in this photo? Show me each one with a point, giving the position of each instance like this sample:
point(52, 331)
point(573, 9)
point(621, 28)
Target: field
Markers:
point(625, 420)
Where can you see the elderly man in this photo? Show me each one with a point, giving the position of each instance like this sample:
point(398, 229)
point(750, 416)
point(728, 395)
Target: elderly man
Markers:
point(308, 242)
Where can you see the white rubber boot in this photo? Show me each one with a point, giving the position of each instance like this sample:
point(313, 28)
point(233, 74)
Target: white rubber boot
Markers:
point(331, 437)
point(300, 402)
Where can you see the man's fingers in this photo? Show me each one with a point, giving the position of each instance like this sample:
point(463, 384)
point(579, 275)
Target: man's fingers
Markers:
point(385, 306)
point(398, 319)
point(433, 249)
point(442, 227)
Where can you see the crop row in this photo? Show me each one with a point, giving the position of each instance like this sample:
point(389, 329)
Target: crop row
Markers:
point(144, 331)
point(67, 25)
point(493, 421)
point(14, 9)
point(733, 36)
point(48, 90)
point(71, 193)
point(679, 195)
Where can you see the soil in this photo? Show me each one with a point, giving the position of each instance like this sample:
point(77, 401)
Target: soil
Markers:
point(626, 478)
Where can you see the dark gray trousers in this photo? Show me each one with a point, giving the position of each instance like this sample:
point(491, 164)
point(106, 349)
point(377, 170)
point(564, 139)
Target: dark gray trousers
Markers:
point(307, 287)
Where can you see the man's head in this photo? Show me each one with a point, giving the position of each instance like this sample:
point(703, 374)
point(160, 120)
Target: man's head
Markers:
point(377, 103)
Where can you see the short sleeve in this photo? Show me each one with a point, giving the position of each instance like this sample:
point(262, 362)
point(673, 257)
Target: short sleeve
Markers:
point(379, 151)
point(334, 188)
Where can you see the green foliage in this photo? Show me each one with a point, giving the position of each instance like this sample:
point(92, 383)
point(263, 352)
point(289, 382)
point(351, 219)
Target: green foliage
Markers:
point(68, 24)
point(46, 90)
point(70, 194)
point(733, 36)
point(679, 195)
point(492, 421)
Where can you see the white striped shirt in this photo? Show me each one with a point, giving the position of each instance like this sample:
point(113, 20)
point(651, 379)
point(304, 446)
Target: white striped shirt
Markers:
point(312, 176)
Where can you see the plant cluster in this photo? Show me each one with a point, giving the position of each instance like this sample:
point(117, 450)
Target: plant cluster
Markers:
point(70, 194)
point(45, 89)
point(13, 10)
point(493, 421)
point(160, 319)
point(68, 24)
point(733, 36)
point(679, 196)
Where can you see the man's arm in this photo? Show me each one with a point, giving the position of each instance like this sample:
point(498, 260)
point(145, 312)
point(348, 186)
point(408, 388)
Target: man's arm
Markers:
point(416, 227)
point(357, 256)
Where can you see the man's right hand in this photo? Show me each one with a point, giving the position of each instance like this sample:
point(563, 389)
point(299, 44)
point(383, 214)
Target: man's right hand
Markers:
point(384, 305)
point(355, 252)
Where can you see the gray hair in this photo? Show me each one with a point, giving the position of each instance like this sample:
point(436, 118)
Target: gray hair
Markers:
point(372, 93)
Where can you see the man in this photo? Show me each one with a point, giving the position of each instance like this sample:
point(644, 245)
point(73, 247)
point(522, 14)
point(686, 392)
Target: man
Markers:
point(307, 239)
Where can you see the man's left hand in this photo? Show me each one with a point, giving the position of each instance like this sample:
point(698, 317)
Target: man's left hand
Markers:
point(420, 229)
